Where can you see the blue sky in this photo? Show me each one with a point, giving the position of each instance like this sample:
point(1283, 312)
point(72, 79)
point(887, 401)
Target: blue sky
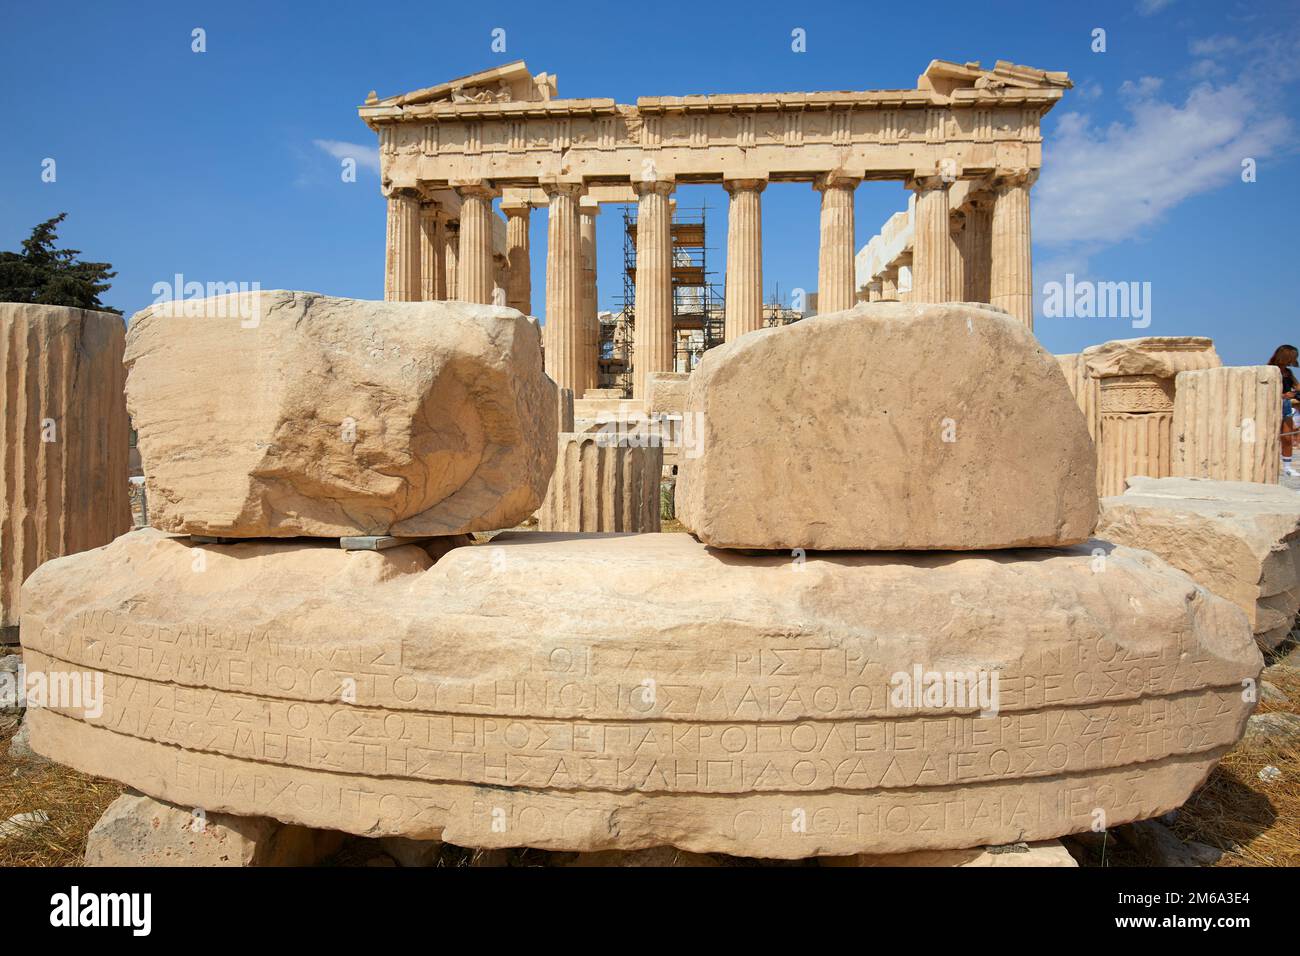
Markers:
point(212, 164)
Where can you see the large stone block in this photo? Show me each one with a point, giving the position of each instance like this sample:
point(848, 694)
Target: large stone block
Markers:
point(889, 426)
point(1238, 539)
point(602, 485)
point(64, 453)
point(278, 414)
point(622, 692)
point(1227, 422)
point(136, 830)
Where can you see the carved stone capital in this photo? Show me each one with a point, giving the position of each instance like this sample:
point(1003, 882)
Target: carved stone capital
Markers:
point(748, 184)
point(662, 186)
point(480, 188)
point(836, 179)
point(562, 186)
point(1009, 178)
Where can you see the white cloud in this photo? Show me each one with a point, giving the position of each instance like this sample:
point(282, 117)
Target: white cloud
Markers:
point(366, 157)
point(1104, 184)
point(1149, 7)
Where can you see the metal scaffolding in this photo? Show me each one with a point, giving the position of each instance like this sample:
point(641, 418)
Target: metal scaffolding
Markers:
point(697, 302)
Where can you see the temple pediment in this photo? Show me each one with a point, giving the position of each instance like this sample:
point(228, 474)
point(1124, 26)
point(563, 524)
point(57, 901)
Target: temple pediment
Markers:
point(511, 83)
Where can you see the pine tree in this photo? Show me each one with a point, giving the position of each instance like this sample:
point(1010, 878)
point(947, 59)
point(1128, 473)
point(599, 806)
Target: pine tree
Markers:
point(44, 274)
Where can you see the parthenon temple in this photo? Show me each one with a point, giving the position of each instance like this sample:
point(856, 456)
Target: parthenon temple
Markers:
point(965, 141)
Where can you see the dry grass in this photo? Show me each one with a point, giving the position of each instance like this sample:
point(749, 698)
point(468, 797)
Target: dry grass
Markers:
point(73, 801)
point(1255, 823)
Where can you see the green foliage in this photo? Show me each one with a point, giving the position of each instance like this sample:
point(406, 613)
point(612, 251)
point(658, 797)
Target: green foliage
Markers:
point(47, 275)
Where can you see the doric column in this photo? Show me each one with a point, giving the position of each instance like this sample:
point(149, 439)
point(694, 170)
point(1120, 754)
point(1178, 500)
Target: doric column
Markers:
point(564, 344)
point(475, 268)
point(744, 293)
point(835, 279)
point(889, 285)
point(906, 271)
point(932, 241)
point(519, 279)
point(956, 260)
point(588, 210)
point(652, 341)
point(874, 289)
point(433, 258)
point(1012, 277)
point(499, 279)
point(451, 256)
point(977, 246)
point(402, 258)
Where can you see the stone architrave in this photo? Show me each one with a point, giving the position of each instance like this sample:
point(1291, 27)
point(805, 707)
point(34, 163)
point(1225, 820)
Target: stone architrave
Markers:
point(601, 484)
point(871, 454)
point(1135, 403)
point(251, 422)
point(1226, 424)
point(66, 437)
point(1238, 539)
point(621, 692)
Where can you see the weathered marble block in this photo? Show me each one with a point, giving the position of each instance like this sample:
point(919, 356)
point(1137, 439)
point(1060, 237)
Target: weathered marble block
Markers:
point(602, 485)
point(1237, 538)
point(64, 451)
point(622, 692)
point(889, 426)
point(1226, 424)
point(279, 414)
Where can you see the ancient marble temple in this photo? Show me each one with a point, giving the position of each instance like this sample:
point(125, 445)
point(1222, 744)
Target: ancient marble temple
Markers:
point(966, 140)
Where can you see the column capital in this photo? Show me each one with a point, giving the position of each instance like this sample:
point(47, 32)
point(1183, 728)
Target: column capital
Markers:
point(560, 186)
point(920, 183)
point(662, 186)
point(516, 207)
point(479, 188)
point(1006, 178)
point(588, 206)
point(750, 183)
point(835, 179)
point(392, 191)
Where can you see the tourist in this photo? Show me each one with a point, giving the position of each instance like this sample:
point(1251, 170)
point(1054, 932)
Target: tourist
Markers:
point(1285, 359)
